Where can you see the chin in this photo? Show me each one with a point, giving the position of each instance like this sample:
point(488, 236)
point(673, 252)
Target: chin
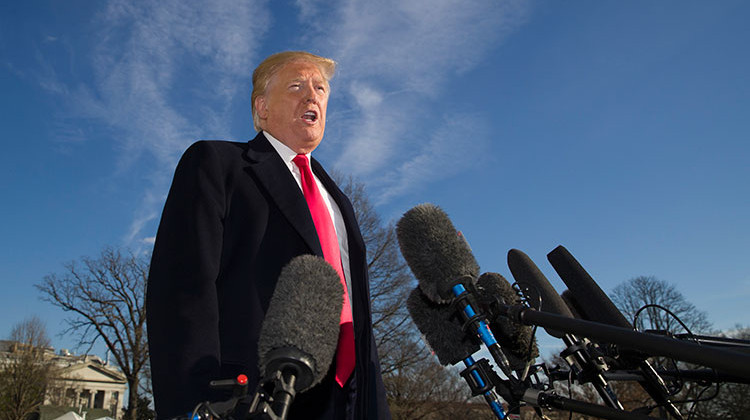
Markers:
point(306, 144)
point(312, 145)
point(312, 139)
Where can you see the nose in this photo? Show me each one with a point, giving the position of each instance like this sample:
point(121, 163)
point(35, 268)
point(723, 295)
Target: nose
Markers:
point(310, 93)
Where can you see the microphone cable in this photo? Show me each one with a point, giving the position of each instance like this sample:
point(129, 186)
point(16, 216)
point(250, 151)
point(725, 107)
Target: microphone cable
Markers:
point(676, 385)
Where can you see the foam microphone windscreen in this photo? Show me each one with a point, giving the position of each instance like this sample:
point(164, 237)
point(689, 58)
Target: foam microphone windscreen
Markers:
point(594, 303)
point(302, 320)
point(516, 340)
point(438, 256)
point(441, 328)
point(536, 287)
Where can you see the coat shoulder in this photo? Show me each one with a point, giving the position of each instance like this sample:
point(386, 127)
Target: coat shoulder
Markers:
point(218, 147)
point(213, 154)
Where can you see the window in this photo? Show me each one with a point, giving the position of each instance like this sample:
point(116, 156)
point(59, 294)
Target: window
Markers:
point(99, 399)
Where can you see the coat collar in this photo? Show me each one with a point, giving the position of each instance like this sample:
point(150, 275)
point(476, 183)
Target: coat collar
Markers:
point(273, 174)
point(268, 168)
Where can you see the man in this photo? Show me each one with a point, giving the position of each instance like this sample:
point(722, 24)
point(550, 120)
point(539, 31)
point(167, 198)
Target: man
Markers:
point(235, 215)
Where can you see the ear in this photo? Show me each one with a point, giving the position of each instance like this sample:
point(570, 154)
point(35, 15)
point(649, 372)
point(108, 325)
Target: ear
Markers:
point(261, 107)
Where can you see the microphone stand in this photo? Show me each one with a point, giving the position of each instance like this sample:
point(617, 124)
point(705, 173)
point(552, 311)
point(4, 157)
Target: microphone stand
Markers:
point(697, 375)
point(233, 408)
point(537, 395)
point(727, 361)
point(551, 400)
point(588, 370)
point(272, 400)
point(736, 344)
point(477, 375)
point(464, 303)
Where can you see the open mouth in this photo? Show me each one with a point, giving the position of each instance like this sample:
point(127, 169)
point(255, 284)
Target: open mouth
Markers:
point(310, 116)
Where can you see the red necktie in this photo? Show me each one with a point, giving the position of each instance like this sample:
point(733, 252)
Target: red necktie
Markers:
point(330, 244)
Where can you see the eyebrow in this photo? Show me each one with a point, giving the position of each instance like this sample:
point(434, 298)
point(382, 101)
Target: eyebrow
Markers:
point(314, 79)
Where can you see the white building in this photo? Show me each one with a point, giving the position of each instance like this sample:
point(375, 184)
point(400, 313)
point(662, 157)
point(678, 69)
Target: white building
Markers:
point(83, 384)
point(87, 382)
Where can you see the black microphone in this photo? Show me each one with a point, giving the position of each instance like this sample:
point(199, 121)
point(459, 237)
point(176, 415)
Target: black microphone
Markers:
point(596, 305)
point(591, 299)
point(573, 305)
point(445, 268)
point(535, 286)
point(299, 334)
point(729, 361)
point(444, 333)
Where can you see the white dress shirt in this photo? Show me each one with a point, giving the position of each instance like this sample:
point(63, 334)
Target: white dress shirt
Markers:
point(287, 155)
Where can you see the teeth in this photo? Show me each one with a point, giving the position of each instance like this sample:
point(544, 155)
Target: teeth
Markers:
point(309, 114)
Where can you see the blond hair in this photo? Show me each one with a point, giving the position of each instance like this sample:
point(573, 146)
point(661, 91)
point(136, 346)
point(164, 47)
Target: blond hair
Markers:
point(267, 69)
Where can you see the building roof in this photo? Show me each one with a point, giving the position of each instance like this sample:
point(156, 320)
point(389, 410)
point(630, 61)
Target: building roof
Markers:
point(89, 368)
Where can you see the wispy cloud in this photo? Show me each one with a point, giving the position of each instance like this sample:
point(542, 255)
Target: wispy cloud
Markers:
point(396, 59)
point(455, 145)
point(151, 60)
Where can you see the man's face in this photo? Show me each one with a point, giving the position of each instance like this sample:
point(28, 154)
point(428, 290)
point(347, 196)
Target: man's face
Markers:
point(293, 108)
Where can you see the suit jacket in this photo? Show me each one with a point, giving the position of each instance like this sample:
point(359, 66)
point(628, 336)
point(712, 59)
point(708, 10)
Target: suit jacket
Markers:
point(233, 218)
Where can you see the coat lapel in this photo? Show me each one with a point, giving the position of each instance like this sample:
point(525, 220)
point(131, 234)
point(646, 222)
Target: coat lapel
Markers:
point(347, 211)
point(272, 173)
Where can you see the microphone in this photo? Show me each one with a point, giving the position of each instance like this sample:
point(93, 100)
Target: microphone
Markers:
point(592, 300)
point(445, 268)
point(517, 340)
point(441, 329)
point(732, 362)
point(573, 305)
point(436, 253)
point(595, 304)
point(299, 334)
point(536, 287)
point(444, 333)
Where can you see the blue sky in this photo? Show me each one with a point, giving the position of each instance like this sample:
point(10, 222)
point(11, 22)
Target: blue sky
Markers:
point(618, 129)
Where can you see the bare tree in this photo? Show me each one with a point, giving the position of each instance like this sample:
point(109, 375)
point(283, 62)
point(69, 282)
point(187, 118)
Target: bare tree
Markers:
point(660, 306)
point(731, 401)
point(429, 391)
point(648, 292)
point(105, 296)
point(144, 410)
point(25, 371)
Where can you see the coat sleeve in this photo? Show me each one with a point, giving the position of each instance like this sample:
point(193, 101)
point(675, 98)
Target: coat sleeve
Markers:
point(181, 301)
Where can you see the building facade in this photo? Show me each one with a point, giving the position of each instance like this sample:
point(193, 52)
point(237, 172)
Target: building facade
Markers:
point(82, 384)
point(85, 383)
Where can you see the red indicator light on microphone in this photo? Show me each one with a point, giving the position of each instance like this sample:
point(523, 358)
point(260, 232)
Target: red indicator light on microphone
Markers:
point(241, 379)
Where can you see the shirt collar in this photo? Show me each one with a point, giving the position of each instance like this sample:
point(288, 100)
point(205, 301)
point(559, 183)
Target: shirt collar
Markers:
point(283, 150)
